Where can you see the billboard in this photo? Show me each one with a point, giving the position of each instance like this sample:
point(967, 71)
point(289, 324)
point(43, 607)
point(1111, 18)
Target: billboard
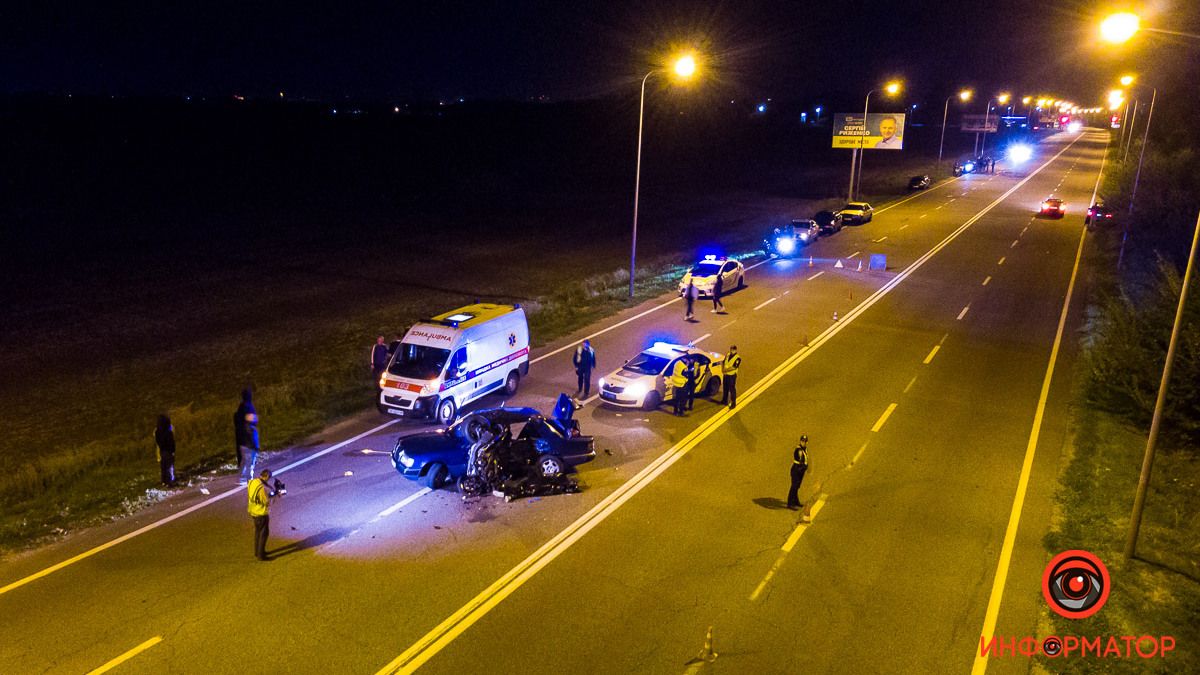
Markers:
point(882, 131)
point(974, 123)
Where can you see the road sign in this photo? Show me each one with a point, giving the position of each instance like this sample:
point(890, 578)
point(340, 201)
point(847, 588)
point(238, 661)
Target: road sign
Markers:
point(882, 131)
point(974, 123)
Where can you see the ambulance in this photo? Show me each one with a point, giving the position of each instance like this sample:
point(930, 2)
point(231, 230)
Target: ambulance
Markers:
point(453, 359)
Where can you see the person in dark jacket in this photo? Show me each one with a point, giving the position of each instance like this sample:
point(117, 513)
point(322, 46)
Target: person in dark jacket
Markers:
point(799, 468)
point(379, 359)
point(245, 430)
point(692, 373)
point(164, 438)
point(689, 298)
point(584, 360)
point(718, 289)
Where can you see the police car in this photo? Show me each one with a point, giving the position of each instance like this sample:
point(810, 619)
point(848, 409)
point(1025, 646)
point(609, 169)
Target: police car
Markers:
point(704, 275)
point(645, 380)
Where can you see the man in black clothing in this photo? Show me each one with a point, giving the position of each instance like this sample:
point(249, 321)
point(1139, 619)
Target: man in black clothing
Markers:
point(689, 389)
point(718, 289)
point(799, 467)
point(164, 438)
point(584, 360)
point(379, 359)
point(245, 431)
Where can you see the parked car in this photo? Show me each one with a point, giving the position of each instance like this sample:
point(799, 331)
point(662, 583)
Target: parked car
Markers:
point(828, 222)
point(704, 275)
point(644, 381)
point(787, 240)
point(1053, 208)
point(547, 446)
point(856, 213)
point(918, 182)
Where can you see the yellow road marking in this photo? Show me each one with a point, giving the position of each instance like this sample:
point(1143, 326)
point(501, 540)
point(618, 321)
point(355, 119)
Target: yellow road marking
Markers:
point(910, 384)
point(127, 655)
point(883, 418)
point(932, 352)
point(986, 280)
point(861, 450)
point(1001, 261)
point(787, 548)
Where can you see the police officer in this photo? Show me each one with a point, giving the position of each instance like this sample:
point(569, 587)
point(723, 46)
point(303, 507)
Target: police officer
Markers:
point(799, 467)
point(259, 506)
point(692, 374)
point(733, 361)
point(585, 361)
point(679, 382)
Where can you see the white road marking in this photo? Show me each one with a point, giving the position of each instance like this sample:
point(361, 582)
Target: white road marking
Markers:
point(924, 214)
point(440, 636)
point(932, 353)
point(939, 206)
point(589, 399)
point(127, 655)
point(697, 340)
point(816, 275)
point(986, 281)
point(1014, 244)
point(883, 418)
point(876, 241)
point(179, 514)
point(1024, 230)
point(853, 254)
point(402, 503)
point(764, 304)
point(963, 312)
point(1001, 260)
point(904, 226)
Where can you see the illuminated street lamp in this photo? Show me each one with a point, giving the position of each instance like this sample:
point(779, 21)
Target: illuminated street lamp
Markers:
point(1119, 27)
point(856, 154)
point(964, 96)
point(1001, 100)
point(684, 67)
point(1126, 80)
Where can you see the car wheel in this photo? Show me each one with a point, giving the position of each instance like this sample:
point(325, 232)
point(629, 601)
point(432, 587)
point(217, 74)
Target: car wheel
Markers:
point(550, 466)
point(741, 281)
point(652, 401)
point(435, 476)
point(446, 412)
point(511, 384)
point(712, 387)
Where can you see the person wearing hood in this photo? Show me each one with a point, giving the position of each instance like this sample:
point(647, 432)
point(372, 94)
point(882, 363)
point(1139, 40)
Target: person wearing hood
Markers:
point(245, 430)
point(164, 438)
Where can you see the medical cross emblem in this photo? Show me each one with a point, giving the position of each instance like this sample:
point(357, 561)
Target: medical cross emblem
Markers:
point(512, 339)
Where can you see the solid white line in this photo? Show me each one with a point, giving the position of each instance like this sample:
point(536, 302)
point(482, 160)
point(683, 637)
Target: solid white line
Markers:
point(479, 606)
point(986, 280)
point(933, 352)
point(403, 503)
point(697, 340)
point(179, 514)
point(883, 418)
point(1014, 517)
point(816, 275)
point(853, 254)
point(963, 312)
point(127, 655)
point(764, 304)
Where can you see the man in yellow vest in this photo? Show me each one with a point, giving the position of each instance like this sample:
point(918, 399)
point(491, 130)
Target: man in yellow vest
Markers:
point(260, 494)
point(679, 381)
point(732, 362)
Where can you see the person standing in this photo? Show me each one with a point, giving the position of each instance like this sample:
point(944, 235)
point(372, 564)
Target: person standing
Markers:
point(585, 361)
point(259, 506)
point(164, 438)
point(718, 289)
point(689, 297)
point(379, 359)
point(799, 467)
point(245, 429)
point(733, 361)
point(692, 374)
point(679, 386)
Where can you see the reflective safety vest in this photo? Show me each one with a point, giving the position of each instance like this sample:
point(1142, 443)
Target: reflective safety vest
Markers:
point(732, 363)
point(260, 498)
point(800, 456)
point(679, 375)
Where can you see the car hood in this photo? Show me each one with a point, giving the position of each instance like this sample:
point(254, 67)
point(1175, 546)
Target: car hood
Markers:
point(430, 443)
point(624, 378)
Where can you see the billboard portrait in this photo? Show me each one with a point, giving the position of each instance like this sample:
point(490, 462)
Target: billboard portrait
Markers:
point(880, 131)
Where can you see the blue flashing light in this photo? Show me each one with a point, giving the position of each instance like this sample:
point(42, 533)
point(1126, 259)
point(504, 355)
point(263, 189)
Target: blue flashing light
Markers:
point(785, 245)
point(762, 107)
point(818, 110)
point(969, 166)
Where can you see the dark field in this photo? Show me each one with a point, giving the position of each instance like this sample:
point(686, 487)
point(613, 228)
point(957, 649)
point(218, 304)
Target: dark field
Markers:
point(160, 255)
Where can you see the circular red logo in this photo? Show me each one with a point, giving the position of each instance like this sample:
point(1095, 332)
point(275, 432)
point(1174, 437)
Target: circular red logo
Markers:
point(1075, 584)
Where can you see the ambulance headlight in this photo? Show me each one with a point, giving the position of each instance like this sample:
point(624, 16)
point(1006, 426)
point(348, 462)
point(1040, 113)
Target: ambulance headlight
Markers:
point(785, 245)
point(636, 390)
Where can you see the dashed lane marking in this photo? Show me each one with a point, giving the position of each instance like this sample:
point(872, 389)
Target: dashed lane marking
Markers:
point(963, 312)
point(910, 384)
point(1001, 260)
point(932, 353)
point(787, 547)
point(986, 280)
point(697, 340)
point(1014, 244)
point(764, 304)
point(402, 503)
point(854, 254)
point(876, 241)
point(904, 226)
point(861, 450)
point(127, 655)
point(883, 418)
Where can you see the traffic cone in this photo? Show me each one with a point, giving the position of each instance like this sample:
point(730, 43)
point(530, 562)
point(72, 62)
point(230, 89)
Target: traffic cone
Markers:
point(810, 261)
point(859, 265)
point(707, 653)
point(835, 315)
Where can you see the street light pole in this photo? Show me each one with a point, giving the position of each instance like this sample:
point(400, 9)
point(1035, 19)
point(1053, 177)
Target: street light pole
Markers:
point(862, 152)
point(945, 113)
point(854, 152)
point(637, 183)
point(1139, 499)
point(986, 111)
point(1142, 153)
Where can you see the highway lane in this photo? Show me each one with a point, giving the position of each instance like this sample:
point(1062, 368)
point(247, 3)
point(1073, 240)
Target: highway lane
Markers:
point(895, 572)
point(370, 583)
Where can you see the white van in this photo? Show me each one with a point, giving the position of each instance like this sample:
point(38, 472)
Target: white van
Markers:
point(448, 361)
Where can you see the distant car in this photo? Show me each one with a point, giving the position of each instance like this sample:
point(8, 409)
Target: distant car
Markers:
point(1052, 208)
point(828, 222)
point(644, 381)
point(1098, 212)
point(788, 240)
point(546, 445)
point(918, 182)
point(704, 275)
point(856, 213)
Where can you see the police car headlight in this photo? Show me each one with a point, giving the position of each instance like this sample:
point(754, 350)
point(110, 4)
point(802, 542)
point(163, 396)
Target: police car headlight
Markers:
point(636, 390)
point(786, 245)
point(405, 460)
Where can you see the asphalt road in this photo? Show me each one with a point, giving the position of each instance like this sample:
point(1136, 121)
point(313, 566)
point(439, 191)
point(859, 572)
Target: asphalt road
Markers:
point(916, 455)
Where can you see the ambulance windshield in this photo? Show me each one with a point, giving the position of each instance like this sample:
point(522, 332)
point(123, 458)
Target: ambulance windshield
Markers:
point(419, 362)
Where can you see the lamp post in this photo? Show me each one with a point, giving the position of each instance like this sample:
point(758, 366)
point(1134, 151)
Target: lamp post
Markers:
point(1000, 100)
point(685, 67)
point(964, 96)
point(891, 89)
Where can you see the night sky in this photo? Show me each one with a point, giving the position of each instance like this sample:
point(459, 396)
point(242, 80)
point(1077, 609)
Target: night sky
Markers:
point(486, 49)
